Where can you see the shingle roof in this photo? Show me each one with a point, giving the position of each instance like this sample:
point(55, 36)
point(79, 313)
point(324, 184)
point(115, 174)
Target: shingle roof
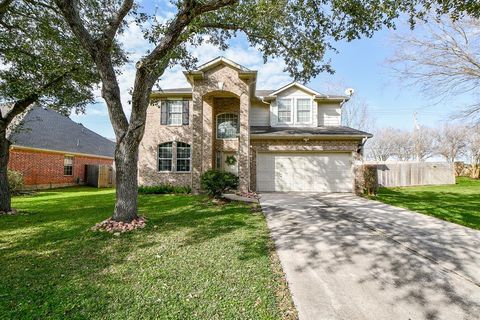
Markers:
point(44, 128)
point(307, 131)
point(258, 93)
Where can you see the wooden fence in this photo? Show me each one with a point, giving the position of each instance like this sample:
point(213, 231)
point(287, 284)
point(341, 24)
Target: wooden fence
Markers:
point(404, 174)
point(100, 176)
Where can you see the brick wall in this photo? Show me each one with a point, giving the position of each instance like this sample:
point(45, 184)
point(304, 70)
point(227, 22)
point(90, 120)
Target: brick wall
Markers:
point(43, 169)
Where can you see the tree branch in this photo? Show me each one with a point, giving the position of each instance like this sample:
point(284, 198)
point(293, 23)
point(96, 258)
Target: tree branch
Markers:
point(21, 105)
point(114, 23)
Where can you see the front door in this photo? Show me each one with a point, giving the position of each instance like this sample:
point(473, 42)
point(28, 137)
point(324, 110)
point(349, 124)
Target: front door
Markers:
point(229, 162)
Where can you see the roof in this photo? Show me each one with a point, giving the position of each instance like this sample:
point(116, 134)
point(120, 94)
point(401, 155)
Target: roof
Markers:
point(44, 128)
point(261, 93)
point(267, 131)
point(188, 91)
point(218, 60)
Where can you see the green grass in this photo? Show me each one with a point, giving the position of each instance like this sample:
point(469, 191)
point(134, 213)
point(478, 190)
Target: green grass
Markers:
point(459, 203)
point(194, 260)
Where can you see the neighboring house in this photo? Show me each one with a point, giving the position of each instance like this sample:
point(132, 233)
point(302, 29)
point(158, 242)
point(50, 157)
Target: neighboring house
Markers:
point(288, 139)
point(51, 150)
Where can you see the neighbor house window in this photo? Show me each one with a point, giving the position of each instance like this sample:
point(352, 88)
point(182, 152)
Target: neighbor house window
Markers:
point(227, 125)
point(183, 157)
point(174, 112)
point(165, 153)
point(174, 157)
point(303, 110)
point(68, 166)
point(284, 110)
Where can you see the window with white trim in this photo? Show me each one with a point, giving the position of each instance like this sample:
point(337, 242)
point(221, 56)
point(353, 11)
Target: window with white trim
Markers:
point(174, 157)
point(304, 110)
point(227, 125)
point(284, 110)
point(174, 112)
point(68, 166)
point(183, 157)
point(165, 155)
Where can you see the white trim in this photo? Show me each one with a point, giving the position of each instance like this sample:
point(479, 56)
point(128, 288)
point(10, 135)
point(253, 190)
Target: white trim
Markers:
point(219, 60)
point(295, 84)
point(17, 147)
point(292, 115)
point(216, 125)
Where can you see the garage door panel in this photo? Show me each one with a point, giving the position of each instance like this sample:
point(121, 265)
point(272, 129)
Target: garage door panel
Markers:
point(307, 172)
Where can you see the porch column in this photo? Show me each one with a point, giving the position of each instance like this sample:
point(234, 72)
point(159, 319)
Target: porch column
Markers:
point(244, 143)
point(197, 147)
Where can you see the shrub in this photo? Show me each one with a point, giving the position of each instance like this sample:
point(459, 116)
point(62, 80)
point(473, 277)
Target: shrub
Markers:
point(164, 189)
point(366, 179)
point(15, 181)
point(215, 183)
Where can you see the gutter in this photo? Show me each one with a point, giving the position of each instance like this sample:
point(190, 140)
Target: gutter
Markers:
point(39, 150)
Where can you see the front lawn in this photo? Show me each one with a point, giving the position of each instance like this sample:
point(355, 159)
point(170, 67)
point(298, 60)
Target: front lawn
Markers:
point(194, 260)
point(459, 203)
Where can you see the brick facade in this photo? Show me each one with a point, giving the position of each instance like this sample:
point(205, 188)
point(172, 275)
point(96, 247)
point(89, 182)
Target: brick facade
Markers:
point(44, 169)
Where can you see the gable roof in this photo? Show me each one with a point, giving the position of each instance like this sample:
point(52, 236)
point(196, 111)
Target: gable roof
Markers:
point(219, 60)
point(43, 128)
point(298, 85)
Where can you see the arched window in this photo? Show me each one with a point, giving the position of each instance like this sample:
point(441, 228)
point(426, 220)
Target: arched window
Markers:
point(183, 157)
point(165, 155)
point(227, 125)
point(174, 156)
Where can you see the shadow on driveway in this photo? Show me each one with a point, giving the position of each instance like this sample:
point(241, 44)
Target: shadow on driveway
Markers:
point(351, 258)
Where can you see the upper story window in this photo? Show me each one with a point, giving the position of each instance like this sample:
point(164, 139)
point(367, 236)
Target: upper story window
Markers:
point(174, 112)
point(304, 110)
point(174, 157)
point(227, 125)
point(68, 166)
point(284, 110)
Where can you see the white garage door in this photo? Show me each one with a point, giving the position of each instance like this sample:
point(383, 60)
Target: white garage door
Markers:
point(307, 172)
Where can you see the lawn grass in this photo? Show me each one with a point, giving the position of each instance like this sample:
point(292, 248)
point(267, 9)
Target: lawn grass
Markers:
point(194, 260)
point(459, 203)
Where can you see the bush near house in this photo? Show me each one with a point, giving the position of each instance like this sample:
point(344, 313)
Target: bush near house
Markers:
point(215, 182)
point(15, 181)
point(164, 189)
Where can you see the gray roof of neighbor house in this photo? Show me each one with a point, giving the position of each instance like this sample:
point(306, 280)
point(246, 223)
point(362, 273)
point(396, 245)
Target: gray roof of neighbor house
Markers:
point(266, 131)
point(44, 128)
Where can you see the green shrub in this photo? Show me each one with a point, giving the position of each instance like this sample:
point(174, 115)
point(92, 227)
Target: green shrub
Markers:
point(15, 181)
point(215, 183)
point(164, 189)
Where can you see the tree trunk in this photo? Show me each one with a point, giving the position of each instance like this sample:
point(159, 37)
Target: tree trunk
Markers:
point(5, 200)
point(126, 158)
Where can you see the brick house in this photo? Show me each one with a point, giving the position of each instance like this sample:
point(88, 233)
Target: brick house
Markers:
point(286, 139)
point(51, 150)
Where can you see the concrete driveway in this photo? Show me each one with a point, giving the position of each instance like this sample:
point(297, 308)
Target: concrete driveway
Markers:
point(346, 257)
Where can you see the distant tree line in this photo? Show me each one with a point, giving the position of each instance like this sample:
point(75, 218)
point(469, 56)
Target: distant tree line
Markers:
point(452, 142)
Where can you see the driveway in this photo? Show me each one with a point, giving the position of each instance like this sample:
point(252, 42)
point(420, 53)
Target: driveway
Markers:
point(346, 257)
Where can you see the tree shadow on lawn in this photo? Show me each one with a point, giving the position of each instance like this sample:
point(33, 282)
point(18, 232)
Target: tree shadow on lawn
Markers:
point(460, 208)
point(54, 266)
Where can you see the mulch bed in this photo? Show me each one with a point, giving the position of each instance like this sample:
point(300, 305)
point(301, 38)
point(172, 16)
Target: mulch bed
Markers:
point(113, 226)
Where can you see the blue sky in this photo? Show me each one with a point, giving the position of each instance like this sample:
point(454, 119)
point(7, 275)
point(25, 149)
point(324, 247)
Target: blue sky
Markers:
point(360, 64)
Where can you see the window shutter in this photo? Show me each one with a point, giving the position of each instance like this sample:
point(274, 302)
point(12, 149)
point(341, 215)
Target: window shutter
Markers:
point(185, 112)
point(163, 110)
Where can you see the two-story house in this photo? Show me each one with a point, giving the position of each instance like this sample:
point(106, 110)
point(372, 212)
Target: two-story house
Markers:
point(288, 139)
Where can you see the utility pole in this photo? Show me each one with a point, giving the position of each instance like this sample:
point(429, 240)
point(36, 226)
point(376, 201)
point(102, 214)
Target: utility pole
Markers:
point(416, 128)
